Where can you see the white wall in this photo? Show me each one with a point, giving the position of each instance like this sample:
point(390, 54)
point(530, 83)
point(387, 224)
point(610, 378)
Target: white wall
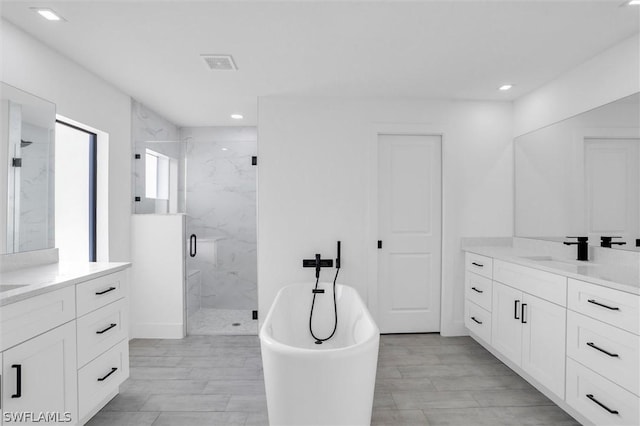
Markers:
point(157, 292)
point(82, 96)
point(315, 182)
point(611, 75)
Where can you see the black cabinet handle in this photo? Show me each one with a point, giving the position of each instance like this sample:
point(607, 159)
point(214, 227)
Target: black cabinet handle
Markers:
point(379, 244)
point(591, 397)
point(193, 247)
point(476, 290)
point(515, 309)
point(479, 265)
point(18, 393)
point(604, 306)
point(522, 313)
point(591, 344)
point(474, 318)
point(106, 329)
point(113, 370)
point(100, 293)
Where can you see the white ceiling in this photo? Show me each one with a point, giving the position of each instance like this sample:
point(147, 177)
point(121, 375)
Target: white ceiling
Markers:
point(421, 49)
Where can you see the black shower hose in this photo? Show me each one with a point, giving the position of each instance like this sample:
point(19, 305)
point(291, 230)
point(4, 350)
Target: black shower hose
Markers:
point(335, 310)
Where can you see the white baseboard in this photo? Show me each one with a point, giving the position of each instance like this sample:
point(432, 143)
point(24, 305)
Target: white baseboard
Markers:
point(157, 331)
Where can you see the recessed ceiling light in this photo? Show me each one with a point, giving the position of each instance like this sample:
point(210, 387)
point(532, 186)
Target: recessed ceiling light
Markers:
point(225, 149)
point(634, 3)
point(237, 116)
point(48, 14)
point(505, 87)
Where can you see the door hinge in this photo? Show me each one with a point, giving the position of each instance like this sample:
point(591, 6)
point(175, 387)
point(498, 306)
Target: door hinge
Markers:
point(16, 162)
point(254, 315)
point(254, 161)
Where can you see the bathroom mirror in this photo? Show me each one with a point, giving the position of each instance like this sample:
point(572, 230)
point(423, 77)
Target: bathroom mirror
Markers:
point(581, 176)
point(26, 171)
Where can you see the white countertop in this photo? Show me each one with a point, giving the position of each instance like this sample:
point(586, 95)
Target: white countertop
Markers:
point(620, 277)
point(36, 280)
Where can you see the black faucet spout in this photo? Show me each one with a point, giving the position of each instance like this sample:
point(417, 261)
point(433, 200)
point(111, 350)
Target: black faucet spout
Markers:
point(583, 247)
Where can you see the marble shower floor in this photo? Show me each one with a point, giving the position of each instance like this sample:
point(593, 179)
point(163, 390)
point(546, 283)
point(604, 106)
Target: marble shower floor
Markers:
point(422, 379)
point(213, 322)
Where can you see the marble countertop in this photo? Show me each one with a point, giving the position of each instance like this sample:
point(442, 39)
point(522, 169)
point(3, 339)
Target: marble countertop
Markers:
point(620, 277)
point(24, 283)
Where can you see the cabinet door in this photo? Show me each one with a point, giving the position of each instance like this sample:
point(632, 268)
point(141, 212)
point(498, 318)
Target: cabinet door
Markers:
point(40, 377)
point(543, 342)
point(506, 329)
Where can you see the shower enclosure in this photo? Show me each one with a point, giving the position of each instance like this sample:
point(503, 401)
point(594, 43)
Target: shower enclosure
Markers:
point(208, 175)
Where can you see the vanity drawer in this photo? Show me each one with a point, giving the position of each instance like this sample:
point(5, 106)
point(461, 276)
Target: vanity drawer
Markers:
point(605, 304)
point(101, 377)
point(478, 321)
point(27, 318)
point(478, 290)
point(607, 350)
point(100, 330)
point(538, 283)
point(100, 291)
point(481, 265)
point(582, 382)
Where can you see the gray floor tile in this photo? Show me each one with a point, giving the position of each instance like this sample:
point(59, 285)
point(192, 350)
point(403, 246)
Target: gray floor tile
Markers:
point(429, 400)
point(398, 418)
point(201, 419)
point(246, 403)
point(111, 418)
point(164, 373)
point(382, 400)
point(454, 370)
point(257, 419)
point(127, 401)
point(550, 415)
point(465, 417)
point(155, 361)
point(417, 385)
point(510, 398)
point(212, 361)
point(163, 386)
point(479, 383)
point(235, 387)
point(186, 402)
point(223, 373)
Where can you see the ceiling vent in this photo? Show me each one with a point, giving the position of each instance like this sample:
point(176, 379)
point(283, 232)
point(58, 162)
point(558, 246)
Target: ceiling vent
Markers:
point(220, 62)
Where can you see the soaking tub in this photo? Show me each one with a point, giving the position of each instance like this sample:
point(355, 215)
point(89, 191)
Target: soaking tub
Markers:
point(319, 384)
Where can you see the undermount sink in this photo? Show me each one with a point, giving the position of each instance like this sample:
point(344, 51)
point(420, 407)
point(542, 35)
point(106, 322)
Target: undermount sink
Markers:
point(551, 259)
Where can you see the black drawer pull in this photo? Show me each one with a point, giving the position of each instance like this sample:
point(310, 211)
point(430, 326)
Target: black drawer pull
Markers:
point(100, 293)
point(515, 309)
point(604, 306)
point(106, 329)
point(474, 318)
point(591, 344)
point(113, 370)
point(522, 320)
point(590, 396)
point(18, 393)
point(476, 290)
point(479, 265)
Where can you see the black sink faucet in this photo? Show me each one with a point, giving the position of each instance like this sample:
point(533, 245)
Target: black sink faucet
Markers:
point(606, 242)
point(583, 247)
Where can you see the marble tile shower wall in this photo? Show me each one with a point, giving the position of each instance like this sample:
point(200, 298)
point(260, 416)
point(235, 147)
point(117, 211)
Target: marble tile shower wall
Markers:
point(221, 205)
point(147, 128)
point(36, 190)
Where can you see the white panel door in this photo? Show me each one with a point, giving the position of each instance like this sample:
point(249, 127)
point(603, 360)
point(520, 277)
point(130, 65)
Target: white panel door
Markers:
point(409, 225)
point(543, 342)
point(612, 174)
point(506, 321)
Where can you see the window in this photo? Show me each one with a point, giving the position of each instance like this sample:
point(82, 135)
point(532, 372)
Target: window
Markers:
point(156, 175)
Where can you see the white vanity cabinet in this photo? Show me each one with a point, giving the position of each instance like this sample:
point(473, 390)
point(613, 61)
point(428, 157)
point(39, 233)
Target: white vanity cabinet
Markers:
point(603, 356)
point(530, 331)
point(64, 352)
point(39, 376)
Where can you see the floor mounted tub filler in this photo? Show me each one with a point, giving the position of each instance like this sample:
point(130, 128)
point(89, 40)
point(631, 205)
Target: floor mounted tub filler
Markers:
point(308, 383)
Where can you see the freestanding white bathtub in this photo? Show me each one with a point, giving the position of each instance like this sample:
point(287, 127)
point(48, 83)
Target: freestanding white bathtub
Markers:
point(311, 384)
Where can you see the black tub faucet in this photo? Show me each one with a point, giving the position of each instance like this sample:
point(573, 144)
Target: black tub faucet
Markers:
point(583, 247)
point(606, 242)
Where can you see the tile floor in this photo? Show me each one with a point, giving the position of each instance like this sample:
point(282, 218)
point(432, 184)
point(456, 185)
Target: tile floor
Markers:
point(207, 321)
point(422, 379)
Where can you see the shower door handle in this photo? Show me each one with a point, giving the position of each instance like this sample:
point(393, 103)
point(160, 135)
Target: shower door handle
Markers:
point(193, 249)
